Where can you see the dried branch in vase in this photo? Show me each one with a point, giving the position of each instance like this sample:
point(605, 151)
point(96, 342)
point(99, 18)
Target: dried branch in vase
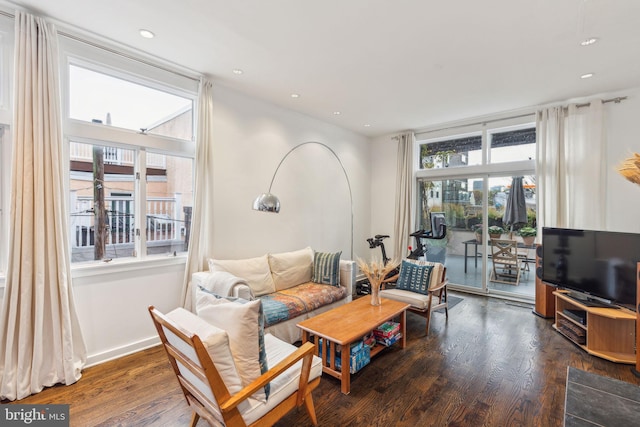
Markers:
point(630, 169)
point(376, 271)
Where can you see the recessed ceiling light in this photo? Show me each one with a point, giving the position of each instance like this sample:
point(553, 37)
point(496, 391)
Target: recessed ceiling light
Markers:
point(336, 113)
point(147, 34)
point(237, 71)
point(367, 125)
point(295, 95)
point(588, 42)
point(587, 76)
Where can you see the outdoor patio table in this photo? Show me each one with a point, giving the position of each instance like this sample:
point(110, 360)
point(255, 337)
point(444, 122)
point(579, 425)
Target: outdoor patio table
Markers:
point(476, 254)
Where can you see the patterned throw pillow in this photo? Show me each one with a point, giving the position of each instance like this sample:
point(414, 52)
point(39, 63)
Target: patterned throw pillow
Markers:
point(414, 277)
point(326, 268)
point(248, 319)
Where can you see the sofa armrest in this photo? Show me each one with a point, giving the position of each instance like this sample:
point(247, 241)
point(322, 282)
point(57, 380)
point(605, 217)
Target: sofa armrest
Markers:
point(220, 282)
point(348, 275)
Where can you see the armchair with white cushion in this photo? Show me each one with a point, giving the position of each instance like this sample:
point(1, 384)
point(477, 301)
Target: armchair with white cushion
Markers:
point(422, 285)
point(214, 383)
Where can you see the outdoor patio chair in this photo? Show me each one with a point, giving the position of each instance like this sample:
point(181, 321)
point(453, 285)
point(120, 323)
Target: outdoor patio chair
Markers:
point(506, 264)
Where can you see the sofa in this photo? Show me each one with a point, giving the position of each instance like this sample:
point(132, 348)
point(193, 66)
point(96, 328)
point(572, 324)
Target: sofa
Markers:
point(293, 286)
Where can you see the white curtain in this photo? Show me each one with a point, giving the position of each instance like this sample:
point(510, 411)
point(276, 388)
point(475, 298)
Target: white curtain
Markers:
point(40, 334)
point(404, 195)
point(201, 238)
point(571, 166)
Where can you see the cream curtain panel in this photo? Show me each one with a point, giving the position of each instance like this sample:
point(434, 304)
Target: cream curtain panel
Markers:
point(571, 166)
point(40, 334)
point(404, 194)
point(201, 238)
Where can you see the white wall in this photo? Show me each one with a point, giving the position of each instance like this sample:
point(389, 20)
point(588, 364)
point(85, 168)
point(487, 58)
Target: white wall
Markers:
point(112, 306)
point(251, 137)
point(623, 139)
point(622, 197)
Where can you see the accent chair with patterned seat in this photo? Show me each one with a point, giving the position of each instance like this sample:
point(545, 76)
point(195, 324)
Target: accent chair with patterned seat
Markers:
point(422, 285)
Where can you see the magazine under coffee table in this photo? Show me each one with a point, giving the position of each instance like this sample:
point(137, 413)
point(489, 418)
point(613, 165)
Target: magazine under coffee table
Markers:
point(347, 324)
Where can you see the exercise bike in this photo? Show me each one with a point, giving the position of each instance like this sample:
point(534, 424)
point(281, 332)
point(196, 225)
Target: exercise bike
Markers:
point(420, 251)
point(363, 287)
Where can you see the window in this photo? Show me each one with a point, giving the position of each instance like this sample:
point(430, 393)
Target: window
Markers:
point(461, 151)
point(106, 229)
point(504, 145)
point(130, 137)
point(96, 97)
point(513, 145)
point(509, 150)
point(169, 202)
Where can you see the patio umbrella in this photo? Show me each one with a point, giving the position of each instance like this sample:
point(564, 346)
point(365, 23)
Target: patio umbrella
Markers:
point(516, 208)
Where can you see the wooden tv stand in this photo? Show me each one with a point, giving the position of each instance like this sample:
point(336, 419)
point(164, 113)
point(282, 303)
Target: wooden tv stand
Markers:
point(608, 333)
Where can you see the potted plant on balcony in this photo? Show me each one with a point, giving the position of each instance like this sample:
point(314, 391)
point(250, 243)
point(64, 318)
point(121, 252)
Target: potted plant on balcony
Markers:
point(528, 235)
point(477, 229)
point(495, 231)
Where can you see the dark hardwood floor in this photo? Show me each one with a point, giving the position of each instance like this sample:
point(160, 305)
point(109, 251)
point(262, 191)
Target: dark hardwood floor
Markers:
point(493, 363)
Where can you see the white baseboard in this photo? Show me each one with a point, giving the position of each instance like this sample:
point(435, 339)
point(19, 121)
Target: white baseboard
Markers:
point(115, 353)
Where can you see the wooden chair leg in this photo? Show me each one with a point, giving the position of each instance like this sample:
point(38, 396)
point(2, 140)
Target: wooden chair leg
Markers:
point(428, 316)
point(311, 410)
point(428, 313)
point(446, 299)
point(194, 419)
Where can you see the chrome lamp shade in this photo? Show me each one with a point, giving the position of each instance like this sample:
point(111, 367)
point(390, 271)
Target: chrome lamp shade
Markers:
point(267, 202)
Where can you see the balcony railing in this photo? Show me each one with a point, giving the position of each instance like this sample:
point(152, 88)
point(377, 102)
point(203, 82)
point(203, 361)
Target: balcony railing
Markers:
point(164, 221)
point(115, 156)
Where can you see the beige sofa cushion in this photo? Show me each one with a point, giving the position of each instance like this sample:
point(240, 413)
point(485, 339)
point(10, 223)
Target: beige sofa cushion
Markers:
point(255, 271)
point(290, 269)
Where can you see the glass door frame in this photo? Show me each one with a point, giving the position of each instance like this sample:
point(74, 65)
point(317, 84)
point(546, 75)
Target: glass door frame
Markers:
point(503, 170)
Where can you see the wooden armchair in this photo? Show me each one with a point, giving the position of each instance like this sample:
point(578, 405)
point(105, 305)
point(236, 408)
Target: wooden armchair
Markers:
point(205, 373)
point(413, 287)
point(507, 265)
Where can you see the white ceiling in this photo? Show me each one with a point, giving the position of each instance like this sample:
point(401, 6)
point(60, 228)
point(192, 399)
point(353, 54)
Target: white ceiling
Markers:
point(395, 65)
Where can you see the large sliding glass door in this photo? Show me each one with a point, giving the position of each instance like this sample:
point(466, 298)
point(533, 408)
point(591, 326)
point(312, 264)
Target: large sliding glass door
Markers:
point(471, 205)
point(510, 261)
point(460, 198)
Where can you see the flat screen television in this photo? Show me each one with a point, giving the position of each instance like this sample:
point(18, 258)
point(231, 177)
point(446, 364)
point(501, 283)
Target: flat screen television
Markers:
point(598, 264)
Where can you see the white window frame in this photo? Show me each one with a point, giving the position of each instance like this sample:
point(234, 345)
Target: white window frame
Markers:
point(485, 170)
point(491, 125)
point(484, 130)
point(157, 77)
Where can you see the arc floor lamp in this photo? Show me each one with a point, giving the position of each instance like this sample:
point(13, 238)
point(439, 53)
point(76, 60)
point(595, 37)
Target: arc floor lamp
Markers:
point(269, 202)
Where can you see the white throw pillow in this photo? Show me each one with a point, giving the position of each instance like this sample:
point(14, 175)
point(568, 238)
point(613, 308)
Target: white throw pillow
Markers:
point(214, 339)
point(241, 322)
point(255, 271)
point(290, 269)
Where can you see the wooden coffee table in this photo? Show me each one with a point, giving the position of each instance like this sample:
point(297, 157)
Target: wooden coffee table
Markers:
point(347, 324)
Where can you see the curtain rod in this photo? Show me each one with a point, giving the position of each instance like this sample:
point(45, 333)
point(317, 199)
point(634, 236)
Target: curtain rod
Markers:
point(615, 100)
point(114, 51)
